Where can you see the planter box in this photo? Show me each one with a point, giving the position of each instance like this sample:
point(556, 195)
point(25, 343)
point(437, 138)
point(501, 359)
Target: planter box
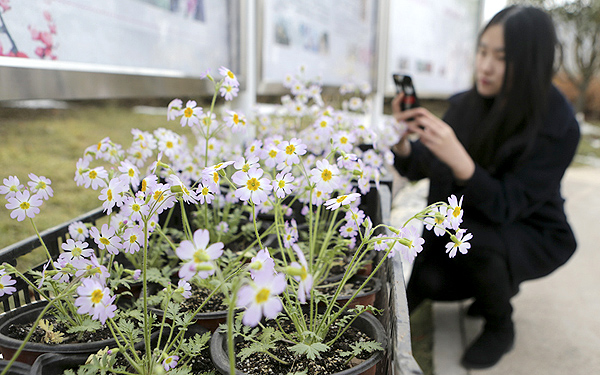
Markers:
point(391, 298)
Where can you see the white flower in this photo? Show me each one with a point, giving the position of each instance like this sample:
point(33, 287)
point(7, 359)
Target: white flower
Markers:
point(459, 242)
point(24, 205)
point(260, 297)
point(251, 186)
point(191, 114)
point(325, 176)
point(199, 255)
point(455, 213)
point(40, 186)
point(342, 200)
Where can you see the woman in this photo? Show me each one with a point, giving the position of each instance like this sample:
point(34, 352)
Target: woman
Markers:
point(503, 146)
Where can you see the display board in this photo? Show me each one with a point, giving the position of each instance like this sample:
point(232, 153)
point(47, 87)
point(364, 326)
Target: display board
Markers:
point(331, 39)
point(434, 41)
point(163, 38)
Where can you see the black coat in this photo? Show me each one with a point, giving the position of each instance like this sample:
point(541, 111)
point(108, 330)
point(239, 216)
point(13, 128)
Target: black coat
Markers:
point(521, 212)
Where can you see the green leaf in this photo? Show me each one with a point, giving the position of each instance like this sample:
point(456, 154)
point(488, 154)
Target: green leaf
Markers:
point(364, 346)
point(88, 325)
point(311, 351)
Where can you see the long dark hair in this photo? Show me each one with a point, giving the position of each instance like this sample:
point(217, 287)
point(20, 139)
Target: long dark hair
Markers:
point(508, 129)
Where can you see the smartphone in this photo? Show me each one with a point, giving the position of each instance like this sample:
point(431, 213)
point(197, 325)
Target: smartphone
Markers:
point(405, 85)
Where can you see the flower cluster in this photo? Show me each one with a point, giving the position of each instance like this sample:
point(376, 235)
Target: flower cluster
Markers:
point(294, 193)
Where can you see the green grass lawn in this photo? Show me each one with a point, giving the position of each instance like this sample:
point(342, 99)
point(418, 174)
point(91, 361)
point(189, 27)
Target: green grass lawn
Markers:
point(49, 143)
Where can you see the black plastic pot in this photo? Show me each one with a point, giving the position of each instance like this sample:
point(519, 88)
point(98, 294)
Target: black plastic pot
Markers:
point(56, 363)
point(366, 323)
point(26, 314)
point(17, 368)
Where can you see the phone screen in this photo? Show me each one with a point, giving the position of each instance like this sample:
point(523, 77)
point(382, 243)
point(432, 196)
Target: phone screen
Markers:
point(405, 85)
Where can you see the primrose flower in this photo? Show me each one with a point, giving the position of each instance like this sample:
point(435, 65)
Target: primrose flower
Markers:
point(135, 207)
point(95, 178)
point(282, 184)
point(24, 205)
point(437, 220)
point(355, 216)
point(170, 362)
point(342, 200)
point(184, 288)
point(325, 176)
point(300, 273)
point(131, 172)
point(5, 285)
point(459, 242)
point(380, 243)
point(199, 255)
point(174, 109)
point(262, 262)
point(40, 186)
point(235, 121)
point(133, 239)
point(11, 186)
point(269, 155)
point(455, 212)
point(113, 194)
point(177, 186)
point(291, 152)
point(260, 297)
point(230, 78)
point(204, 194)
point(228, 91)
point(75, 250)
point(251, 186)
point(106, 239)
point(191, 114)
point(245, 165)
point(412, 243)
point(94, 299)
point(78, 231)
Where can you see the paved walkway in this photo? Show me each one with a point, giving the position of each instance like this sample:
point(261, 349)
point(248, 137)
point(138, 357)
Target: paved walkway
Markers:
point(557, 318)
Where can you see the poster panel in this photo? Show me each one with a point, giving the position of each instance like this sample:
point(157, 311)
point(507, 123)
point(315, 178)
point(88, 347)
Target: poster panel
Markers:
point(148, 37)
point(434, 41)
point(333, 40)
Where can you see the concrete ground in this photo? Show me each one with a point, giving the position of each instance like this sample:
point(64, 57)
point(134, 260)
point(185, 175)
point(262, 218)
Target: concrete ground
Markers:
point(557, 318)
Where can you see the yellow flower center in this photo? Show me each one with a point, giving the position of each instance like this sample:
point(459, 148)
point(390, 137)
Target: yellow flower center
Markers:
point(253, 184)
point(158, 196)
point(76, 251)
point(133, 238)
point(201, 256)
point(272, 154)
point(97, 296)
point(326, 175)
point(131, 172)
point(281, 184)
point(93, 174)
point(230, 74)
point(216, 177)
point(323, 124)
point(343, 140)
point(105, 241)
point(456, 211)
point(109, 195)
point(290, 149)
point(263, 295)
point(246, 167)
point(144, 186)
point(205, 191)
point(341, 198)
point(236, 118)
point(24, 205)
point(136, 207)
point(188, 112)
point(169, 144)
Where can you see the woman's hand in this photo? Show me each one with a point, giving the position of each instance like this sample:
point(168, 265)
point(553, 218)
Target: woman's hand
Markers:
point(437, 136)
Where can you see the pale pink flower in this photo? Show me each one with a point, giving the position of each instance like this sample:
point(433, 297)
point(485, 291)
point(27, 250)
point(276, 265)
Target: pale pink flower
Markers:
point(251, 186)
point(199, 256)
point(106, 239)
point(94, 299)
point(459, 242)
point(191, 114)
point(342, 200)
point(260, 297)
point(11, 186)
point(24, 205)
point(40, 186)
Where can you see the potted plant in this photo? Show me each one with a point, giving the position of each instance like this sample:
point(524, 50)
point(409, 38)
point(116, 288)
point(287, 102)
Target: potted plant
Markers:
point(204, 178)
